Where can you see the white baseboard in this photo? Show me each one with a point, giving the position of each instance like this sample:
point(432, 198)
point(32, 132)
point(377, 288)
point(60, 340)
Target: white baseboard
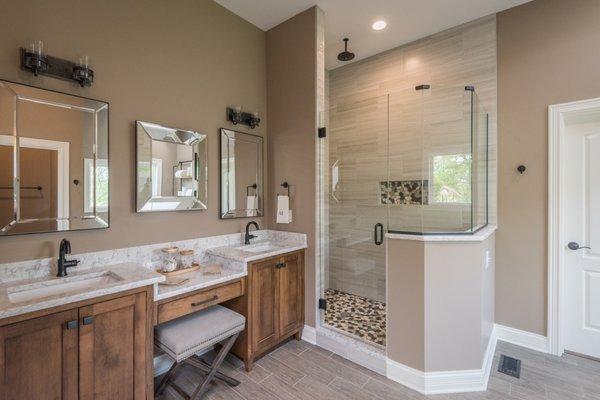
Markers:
point(521, 338)
point(309, 334)
point(445, 381)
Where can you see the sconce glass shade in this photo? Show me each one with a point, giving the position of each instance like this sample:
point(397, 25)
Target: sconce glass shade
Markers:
point(34, 58)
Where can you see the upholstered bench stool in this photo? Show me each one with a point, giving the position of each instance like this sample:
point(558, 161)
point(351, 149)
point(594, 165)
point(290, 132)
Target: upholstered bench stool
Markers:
point(183, 337)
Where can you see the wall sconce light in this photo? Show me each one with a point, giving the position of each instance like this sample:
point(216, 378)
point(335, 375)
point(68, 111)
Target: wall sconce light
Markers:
point(254, 120)
point(33, 59)
point(235, 115)
point(82, 72)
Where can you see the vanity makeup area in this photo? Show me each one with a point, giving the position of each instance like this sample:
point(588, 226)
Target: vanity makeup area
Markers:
point(89, 332)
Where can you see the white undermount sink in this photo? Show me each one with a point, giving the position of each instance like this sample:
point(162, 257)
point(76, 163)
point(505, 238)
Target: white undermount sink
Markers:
point(62, 286)
point(258, 247)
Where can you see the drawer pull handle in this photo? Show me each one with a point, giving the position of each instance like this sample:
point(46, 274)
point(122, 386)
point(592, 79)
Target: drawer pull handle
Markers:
point(88, 320)
point(199, 303)
point(72, 324)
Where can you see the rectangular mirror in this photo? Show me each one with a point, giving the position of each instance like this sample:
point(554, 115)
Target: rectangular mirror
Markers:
point(241, 174)
point(171, 169)
point(53, 161)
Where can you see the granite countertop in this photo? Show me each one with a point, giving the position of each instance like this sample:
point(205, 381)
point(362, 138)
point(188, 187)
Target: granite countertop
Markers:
point(24, 296)
point(258, 250)
point(199, 280)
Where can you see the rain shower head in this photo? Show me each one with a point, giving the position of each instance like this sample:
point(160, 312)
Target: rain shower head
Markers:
point(345, 55)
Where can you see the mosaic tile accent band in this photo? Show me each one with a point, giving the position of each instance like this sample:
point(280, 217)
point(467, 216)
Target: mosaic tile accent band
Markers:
point(414, 192)
point(359, 316)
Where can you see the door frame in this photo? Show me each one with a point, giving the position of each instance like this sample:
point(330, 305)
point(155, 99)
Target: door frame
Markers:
point(556, 249)
point(62, 182)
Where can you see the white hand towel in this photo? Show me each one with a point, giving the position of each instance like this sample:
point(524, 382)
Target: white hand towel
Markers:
point(283, 210)
point(251, 206)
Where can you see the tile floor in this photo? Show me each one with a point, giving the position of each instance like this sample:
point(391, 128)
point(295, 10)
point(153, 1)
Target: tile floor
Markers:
point(301, 371)
point(359, 316)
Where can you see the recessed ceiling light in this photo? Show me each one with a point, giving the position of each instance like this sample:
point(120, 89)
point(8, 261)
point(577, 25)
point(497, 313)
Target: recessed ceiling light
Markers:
point(379, 25)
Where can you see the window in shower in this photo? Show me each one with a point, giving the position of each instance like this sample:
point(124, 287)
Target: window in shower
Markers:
point(450, 181)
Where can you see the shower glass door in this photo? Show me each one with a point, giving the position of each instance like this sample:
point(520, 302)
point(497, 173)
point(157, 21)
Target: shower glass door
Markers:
point(354, 216)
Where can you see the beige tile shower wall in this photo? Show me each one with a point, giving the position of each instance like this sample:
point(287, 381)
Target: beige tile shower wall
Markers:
point(362, 96)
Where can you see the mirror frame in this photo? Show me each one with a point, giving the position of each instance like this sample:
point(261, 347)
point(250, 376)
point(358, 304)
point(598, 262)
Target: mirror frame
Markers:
point(202, 136)
point(105, 222)
point(233, 214)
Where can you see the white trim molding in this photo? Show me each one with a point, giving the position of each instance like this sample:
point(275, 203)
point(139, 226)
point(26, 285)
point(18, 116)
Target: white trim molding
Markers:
point(521, 338)
point(445, 381)
point(309, 334)
point(556, 130)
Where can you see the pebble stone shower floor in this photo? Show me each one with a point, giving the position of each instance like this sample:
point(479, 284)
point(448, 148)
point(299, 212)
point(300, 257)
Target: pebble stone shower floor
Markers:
point(356, 315)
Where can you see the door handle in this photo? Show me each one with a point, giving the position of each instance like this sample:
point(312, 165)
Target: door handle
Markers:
point(378, 234)
point(575, 246)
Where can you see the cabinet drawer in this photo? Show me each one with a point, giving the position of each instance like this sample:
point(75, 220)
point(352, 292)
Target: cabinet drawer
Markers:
point(200, 300)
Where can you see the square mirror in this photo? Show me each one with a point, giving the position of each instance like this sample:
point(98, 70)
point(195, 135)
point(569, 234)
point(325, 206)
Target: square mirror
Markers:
point(54, 169)
point(171, 169)
point(241, 174)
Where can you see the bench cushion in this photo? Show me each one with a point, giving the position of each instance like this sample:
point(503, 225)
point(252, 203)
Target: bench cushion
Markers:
point(184, 336)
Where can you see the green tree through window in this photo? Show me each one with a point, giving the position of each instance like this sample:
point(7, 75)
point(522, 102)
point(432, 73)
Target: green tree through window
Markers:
point(452, 178)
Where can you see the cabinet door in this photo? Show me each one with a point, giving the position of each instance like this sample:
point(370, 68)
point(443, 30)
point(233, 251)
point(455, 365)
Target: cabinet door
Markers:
point(291, 298)
point(264, 311)
point(38, 358)
point(112, 352)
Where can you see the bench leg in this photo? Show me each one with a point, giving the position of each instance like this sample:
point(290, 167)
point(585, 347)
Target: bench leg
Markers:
point(213, 368)
point(199, 363)
point(165, 379)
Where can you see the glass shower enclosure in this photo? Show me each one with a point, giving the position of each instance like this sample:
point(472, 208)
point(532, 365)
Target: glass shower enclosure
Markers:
point(412, 162)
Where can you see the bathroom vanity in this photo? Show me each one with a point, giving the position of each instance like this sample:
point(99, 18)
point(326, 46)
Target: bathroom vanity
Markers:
point(85, 336)
point(90, 335)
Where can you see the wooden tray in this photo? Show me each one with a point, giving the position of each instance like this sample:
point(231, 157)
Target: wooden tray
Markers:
point(179, 271)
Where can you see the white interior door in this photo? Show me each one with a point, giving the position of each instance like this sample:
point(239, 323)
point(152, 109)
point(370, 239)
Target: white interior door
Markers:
point(580, 219)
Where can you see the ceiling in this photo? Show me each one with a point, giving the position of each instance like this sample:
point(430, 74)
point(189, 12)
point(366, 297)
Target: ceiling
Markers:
point(407, 20)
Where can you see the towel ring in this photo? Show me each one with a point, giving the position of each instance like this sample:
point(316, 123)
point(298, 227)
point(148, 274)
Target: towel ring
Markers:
point(287, 186)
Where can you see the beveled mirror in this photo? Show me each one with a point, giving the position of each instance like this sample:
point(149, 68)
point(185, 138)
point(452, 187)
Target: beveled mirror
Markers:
point(171, 168)
point(241, 174)
point(54, 168)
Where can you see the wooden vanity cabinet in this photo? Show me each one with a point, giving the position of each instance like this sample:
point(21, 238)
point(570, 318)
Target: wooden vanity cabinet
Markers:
point(99, 350)
point(273, 305)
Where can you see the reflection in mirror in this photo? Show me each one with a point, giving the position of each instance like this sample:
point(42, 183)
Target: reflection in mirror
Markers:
point(171, 169)
point(53, 161)
point(241, 174)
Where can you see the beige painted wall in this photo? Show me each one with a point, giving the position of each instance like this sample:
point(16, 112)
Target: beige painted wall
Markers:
point(440, 303)
point(292, 105)
point(406, 297)
point(155, 61)
point(547, 54)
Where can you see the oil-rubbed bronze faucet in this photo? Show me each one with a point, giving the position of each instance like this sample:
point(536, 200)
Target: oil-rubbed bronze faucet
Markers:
point(248, 236)
point(63, 263)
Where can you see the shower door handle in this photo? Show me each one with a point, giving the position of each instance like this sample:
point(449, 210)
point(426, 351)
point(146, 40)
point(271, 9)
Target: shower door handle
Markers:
point(378, 234)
